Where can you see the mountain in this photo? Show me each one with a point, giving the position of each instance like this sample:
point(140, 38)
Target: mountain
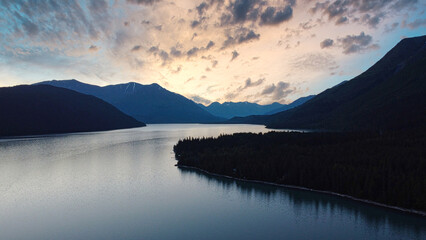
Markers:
point(243, 109)
point(239, 109)
point(389, 95)
point(42, 109)
point(146, 103)
point(294, 104)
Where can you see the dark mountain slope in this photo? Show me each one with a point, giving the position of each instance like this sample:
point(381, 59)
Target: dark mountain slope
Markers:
point(42, 109)
point(389, 95)
point(294, 104)
point(146, 103)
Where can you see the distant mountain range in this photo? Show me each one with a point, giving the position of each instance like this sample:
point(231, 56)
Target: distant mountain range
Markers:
point(42, 109)
point(389, 95)
point(243, 109)
point(146, 103)
point(239, 109)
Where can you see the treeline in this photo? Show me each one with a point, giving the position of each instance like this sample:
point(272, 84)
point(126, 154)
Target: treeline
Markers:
point(389, 169)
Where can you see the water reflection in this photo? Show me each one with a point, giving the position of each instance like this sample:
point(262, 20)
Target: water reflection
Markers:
point(123, 185)
point(317, 203)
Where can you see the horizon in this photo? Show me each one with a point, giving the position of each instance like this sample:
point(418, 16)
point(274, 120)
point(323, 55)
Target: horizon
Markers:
point(149, 84)
point(208, 51)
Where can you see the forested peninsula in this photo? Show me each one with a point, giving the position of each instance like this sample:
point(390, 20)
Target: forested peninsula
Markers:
point(384, 168)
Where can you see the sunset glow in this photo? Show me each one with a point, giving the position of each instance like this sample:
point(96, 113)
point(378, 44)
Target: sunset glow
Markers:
point(212, 50)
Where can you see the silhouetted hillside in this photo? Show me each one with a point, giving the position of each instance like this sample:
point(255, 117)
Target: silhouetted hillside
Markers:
point(146, 103)
point(43, 109)
point(389, 95)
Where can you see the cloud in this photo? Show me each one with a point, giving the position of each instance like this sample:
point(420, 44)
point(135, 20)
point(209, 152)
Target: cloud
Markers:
point(415, 24)
point(107, 41)
point(336, 9)
point(178, 69)
point(163, 55)
point(246, 35)
point(97, 6)
point(307, 25)
point(202, 7)
point(143, 2)
point(235, 54)
point(319, 6)
point(250, 35)
point(136, 48)
point(372, 21)
point(356, 43)
point(30, 28)
point(250, 83)
point(314, 61)
point(199, 99)
point(243, 10)
point(269, 89)
point(189, 80)
point(239, 12)
point(195, 23)
point(230, 96)
point(214, 63)
point(326, 43)
point(193, 52)
point(392, 27)
point(175, 52)
point(153, 49)
point(273, 17)
point(372, 11)
point(93, 48)
point(210, 45)
point(49, 23)
point(342, 20)
point(352, 43)
point(239, 36)
point(278, 91)
point(240, 18)
point(399, 4)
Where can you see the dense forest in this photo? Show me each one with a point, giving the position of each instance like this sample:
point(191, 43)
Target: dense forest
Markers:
point(386, 168)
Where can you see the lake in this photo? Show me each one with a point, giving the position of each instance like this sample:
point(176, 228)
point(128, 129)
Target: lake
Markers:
point(123, 185)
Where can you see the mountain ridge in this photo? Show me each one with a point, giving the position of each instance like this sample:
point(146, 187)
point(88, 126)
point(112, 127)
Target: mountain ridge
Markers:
point(243, 109)
point(147, 103)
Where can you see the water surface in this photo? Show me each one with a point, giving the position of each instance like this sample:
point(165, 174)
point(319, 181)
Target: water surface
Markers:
point(124, 185)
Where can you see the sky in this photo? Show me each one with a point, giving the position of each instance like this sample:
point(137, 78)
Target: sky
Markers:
point(207, 50)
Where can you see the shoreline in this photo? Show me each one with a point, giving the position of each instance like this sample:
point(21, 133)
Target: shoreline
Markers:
point(405, 210)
